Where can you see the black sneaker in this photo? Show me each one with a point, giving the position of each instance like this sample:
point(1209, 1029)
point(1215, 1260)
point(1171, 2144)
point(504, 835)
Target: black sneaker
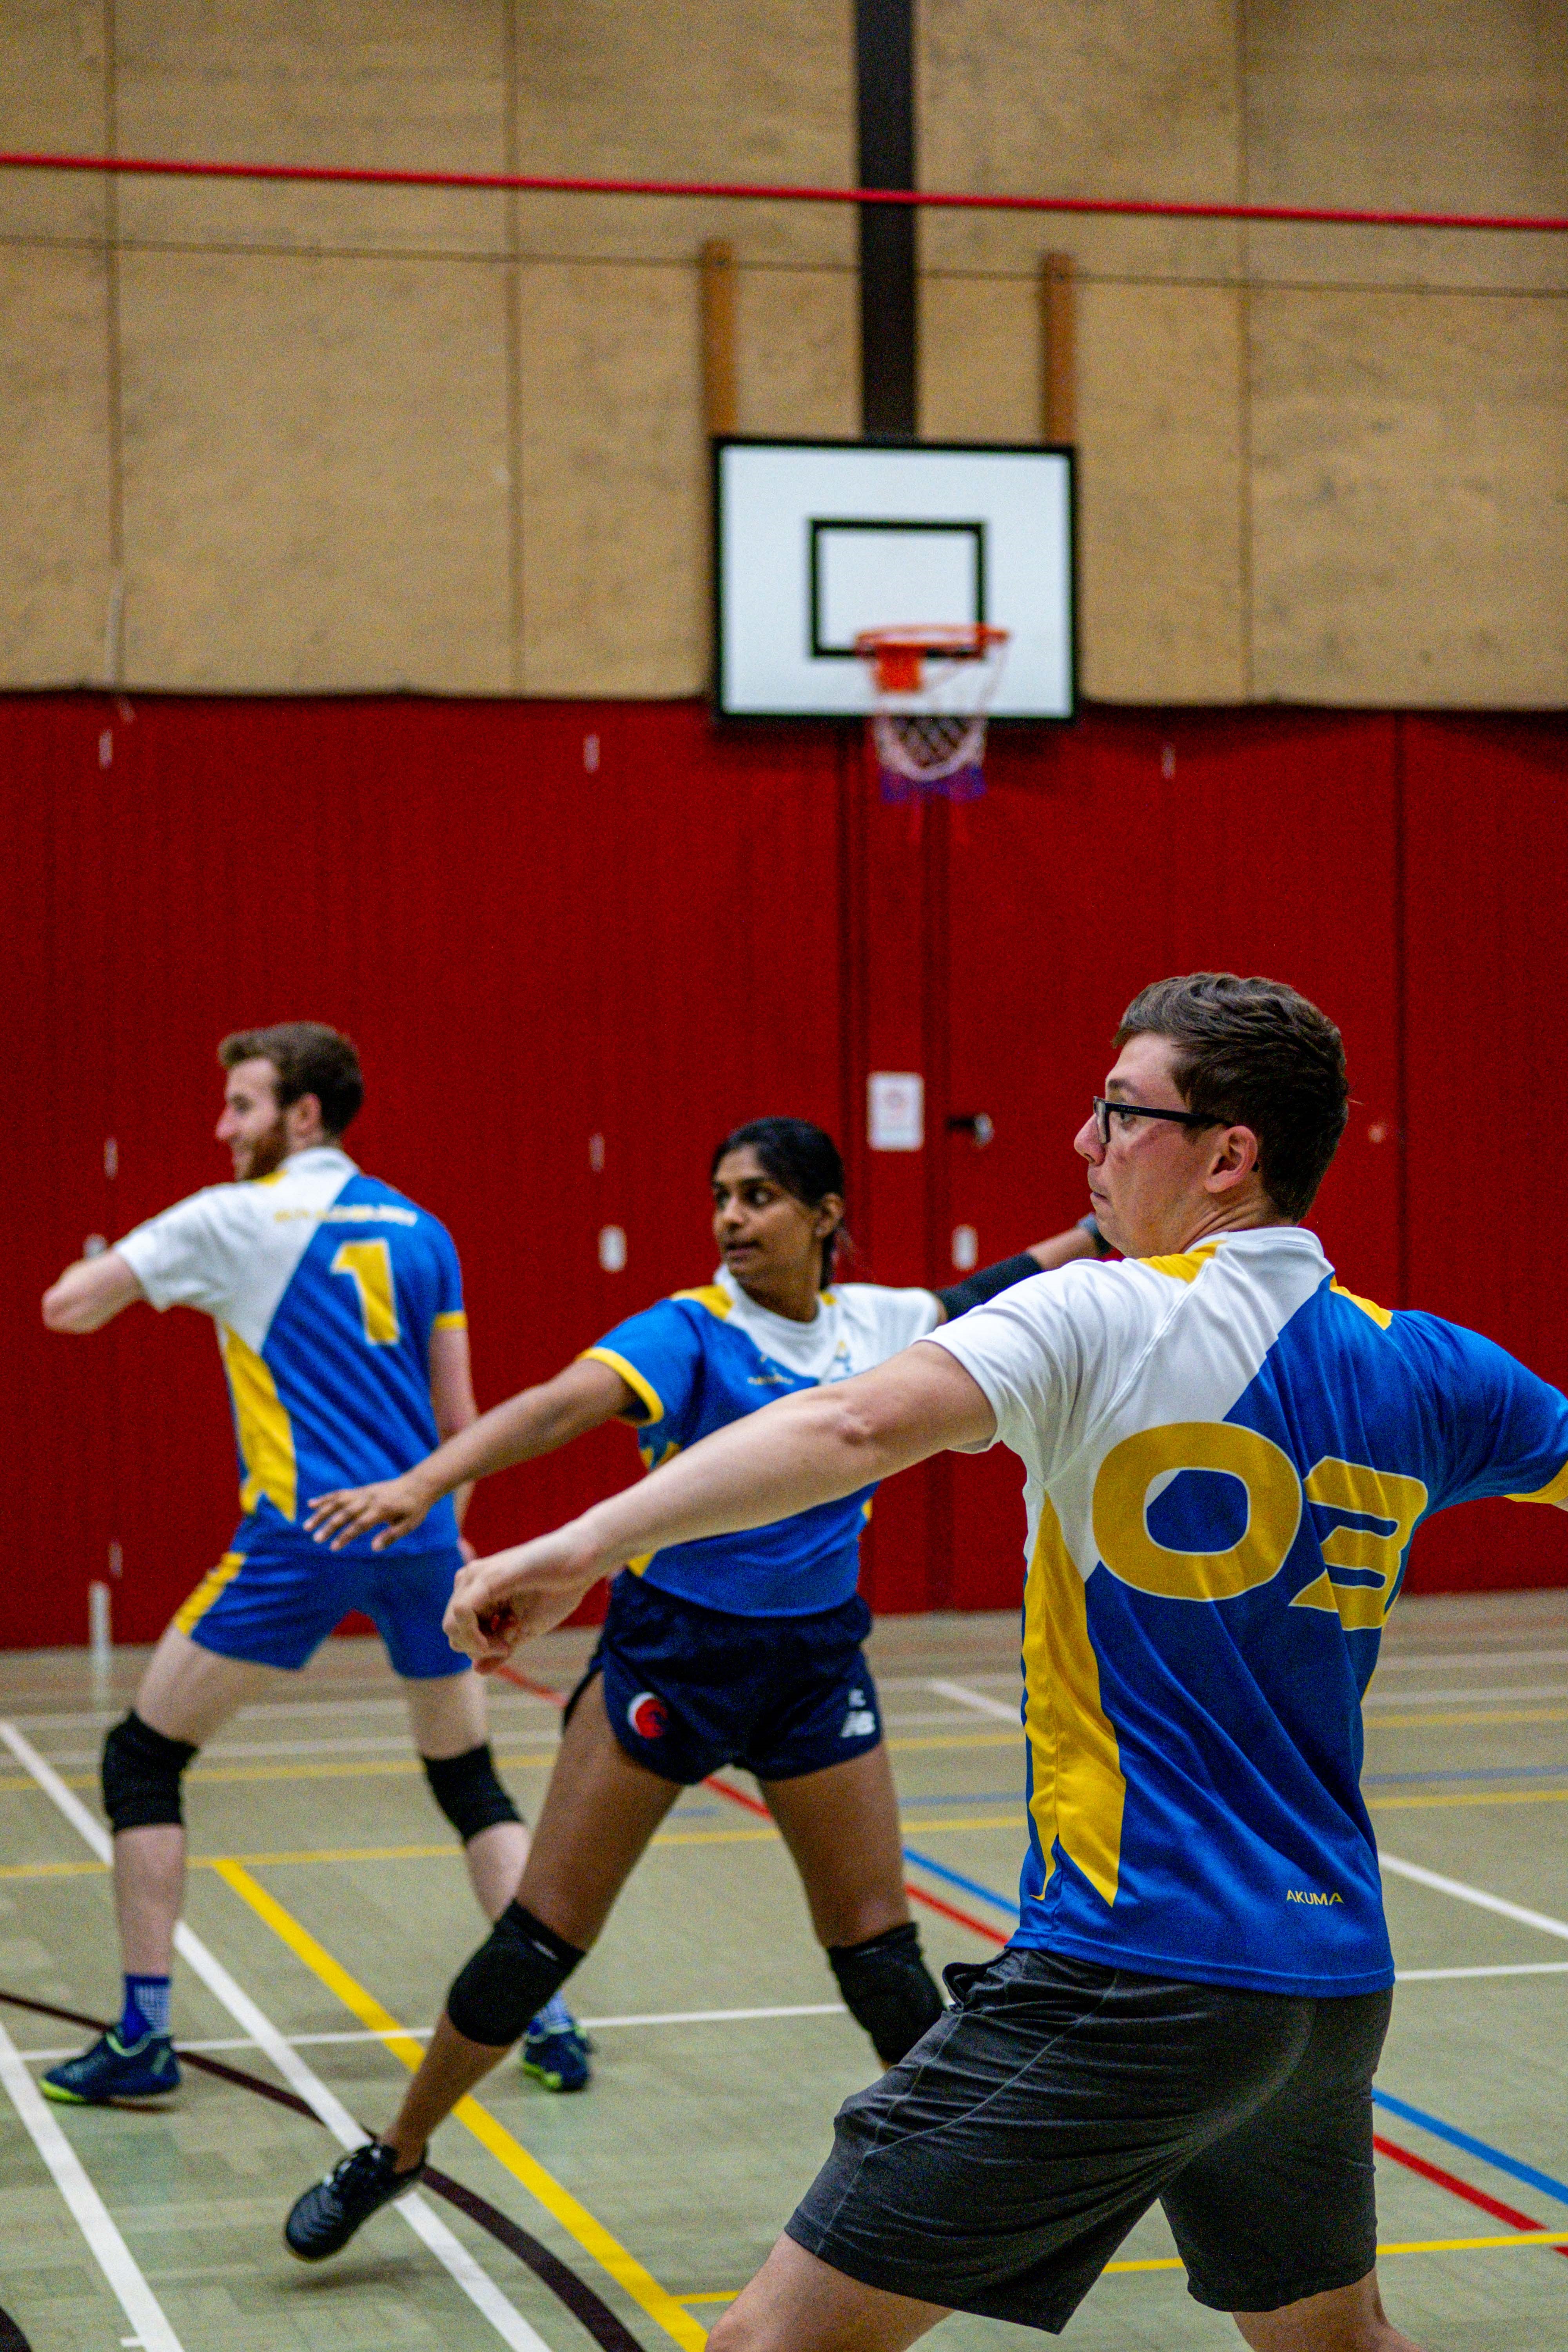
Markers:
point(113, 2069)
point(324, 2219)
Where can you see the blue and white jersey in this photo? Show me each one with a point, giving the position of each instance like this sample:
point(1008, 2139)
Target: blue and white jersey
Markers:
point(705, 1358)
point(1227, 1455)
point(325, 1287)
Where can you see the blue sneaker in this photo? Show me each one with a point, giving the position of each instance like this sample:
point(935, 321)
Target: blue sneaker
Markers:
point(113, 2070)
point(555, 2049)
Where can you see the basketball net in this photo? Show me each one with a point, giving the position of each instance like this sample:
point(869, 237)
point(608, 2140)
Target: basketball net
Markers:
point(931, 693)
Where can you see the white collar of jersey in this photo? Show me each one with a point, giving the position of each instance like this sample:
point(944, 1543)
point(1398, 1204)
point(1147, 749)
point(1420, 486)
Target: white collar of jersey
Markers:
point(809, 1349)
point(317, 1157)
point(1294, 1238)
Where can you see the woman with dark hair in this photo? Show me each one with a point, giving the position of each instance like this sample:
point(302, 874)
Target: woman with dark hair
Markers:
point(742, 1649)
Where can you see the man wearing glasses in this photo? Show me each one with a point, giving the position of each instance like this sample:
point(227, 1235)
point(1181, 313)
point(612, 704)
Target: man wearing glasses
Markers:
point(1227, 1454)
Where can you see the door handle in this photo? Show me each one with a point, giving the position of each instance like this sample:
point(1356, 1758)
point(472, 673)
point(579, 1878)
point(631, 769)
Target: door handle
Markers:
point(978, 1125)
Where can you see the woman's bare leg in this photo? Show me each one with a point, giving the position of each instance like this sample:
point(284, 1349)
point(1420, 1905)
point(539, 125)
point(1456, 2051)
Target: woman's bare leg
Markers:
point(600, 1811)
point(841, 1826)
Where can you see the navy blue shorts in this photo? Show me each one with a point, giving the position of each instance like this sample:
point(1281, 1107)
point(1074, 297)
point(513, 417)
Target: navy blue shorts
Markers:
point(275, 1606)
point(688, 1689)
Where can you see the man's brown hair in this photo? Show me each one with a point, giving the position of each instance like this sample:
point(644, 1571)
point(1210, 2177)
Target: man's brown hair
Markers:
point(309, 1059)
point(1253, 1053)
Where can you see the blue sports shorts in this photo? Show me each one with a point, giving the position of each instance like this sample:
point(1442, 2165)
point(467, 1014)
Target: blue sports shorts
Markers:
point(275, 1606)
point(688, 1689)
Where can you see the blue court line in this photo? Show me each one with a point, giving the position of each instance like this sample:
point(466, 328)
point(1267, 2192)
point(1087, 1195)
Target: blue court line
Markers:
point(1482, 1772)
point(1473, 2146)
point(957, 1878)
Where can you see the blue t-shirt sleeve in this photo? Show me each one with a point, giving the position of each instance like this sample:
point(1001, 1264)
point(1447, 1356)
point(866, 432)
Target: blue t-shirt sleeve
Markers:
point(659, 1355)
point(1504, 1430)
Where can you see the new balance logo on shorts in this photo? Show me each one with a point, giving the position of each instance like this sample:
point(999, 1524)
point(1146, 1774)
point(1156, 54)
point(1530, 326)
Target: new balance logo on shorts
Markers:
point(861, 1721)
point(647, 1716)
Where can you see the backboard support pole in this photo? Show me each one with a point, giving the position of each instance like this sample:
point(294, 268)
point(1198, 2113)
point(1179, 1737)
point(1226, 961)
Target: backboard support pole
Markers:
point(884, 58)
point(716, 274)
point(1059, 358)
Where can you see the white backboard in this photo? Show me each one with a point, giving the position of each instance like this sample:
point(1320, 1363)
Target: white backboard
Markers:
point(815, 540)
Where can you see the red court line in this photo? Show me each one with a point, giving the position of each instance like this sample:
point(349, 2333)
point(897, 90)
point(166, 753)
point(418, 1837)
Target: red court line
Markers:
point(981, 1927)
point(1457, 2187)
point(168, 167)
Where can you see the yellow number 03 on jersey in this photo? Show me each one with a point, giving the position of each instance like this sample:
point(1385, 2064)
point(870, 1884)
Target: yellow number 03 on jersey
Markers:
point(368, 1266)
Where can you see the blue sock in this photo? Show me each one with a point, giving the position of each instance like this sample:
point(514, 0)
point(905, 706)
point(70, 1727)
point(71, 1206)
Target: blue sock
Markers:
point(146, 2008)
point(554, 2016)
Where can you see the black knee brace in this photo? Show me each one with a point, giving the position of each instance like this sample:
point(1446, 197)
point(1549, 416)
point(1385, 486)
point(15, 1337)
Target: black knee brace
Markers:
point(888, 1988)
point(142, 1772)
point(468, 1792)
point(510, 1978)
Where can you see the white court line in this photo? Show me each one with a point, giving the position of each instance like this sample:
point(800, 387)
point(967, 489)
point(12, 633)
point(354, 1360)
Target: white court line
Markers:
point(979, 1702)
point(1511, 1969)
point(1462, 1893)
point(423, 2033)
point(1466, 1697)
point(91, 2216)
point(448, 2250)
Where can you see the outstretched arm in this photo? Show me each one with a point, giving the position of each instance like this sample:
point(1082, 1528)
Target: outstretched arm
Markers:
point(813, 1447)
point(579, 1399)
point(90, 1294)
point(1082, 1240)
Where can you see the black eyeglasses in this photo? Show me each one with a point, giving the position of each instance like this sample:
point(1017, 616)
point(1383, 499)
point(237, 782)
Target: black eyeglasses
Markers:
point(1104, 1110)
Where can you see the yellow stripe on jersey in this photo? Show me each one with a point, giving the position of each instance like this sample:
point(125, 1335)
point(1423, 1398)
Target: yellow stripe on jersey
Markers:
point(1078, 1791)
point(638, 1382)
point(1554, 1491)
point(1186, 1267)
point(190, 1612)
point(266, 1434)
point(1382, 1316)
point(454, 1320)
point(717, 1301)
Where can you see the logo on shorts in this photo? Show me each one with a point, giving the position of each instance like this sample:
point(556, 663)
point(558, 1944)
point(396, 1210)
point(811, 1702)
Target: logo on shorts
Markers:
point(647, 1716)
point(861, 1721)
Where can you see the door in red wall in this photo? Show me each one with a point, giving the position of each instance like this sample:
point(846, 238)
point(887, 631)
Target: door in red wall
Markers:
point(1102, 858)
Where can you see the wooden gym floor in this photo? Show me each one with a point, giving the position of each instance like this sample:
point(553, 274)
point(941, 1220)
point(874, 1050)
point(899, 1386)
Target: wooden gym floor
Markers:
point(328, 1909)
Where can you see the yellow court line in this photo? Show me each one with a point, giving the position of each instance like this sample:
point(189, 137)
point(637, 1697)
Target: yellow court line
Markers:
point(378, 1768)
point(958, 1739)
point(575, 2218)
point(1376, 1722)
point(1470, 1797)
point(1401, 2246)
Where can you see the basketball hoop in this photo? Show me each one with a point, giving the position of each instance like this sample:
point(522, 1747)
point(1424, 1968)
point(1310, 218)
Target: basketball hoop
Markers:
point(932, 689)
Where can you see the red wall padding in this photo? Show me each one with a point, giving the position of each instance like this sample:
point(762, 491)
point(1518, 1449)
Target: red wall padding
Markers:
point(709, 924)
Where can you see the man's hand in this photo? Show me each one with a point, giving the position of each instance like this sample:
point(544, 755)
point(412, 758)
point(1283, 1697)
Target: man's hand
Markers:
point(516, 1595)
point(395, 1506)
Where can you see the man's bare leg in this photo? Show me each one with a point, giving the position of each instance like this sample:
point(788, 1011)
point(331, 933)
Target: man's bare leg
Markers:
point(187, 1693)
point(797, 2304)
point(447, 1717)
point(1348, 2320)
point(600, 1811)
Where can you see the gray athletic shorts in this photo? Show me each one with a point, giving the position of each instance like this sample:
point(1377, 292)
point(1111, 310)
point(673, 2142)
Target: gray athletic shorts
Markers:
point(1000, 2164)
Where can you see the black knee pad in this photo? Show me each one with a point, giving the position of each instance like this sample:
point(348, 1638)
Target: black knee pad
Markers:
point(468, 1792)
point(510, 1978)
point(142, 1772)
point(888, 1988)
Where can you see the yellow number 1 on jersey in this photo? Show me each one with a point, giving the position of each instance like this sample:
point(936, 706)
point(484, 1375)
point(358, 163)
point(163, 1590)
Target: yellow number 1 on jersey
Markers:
point(368, 1266)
